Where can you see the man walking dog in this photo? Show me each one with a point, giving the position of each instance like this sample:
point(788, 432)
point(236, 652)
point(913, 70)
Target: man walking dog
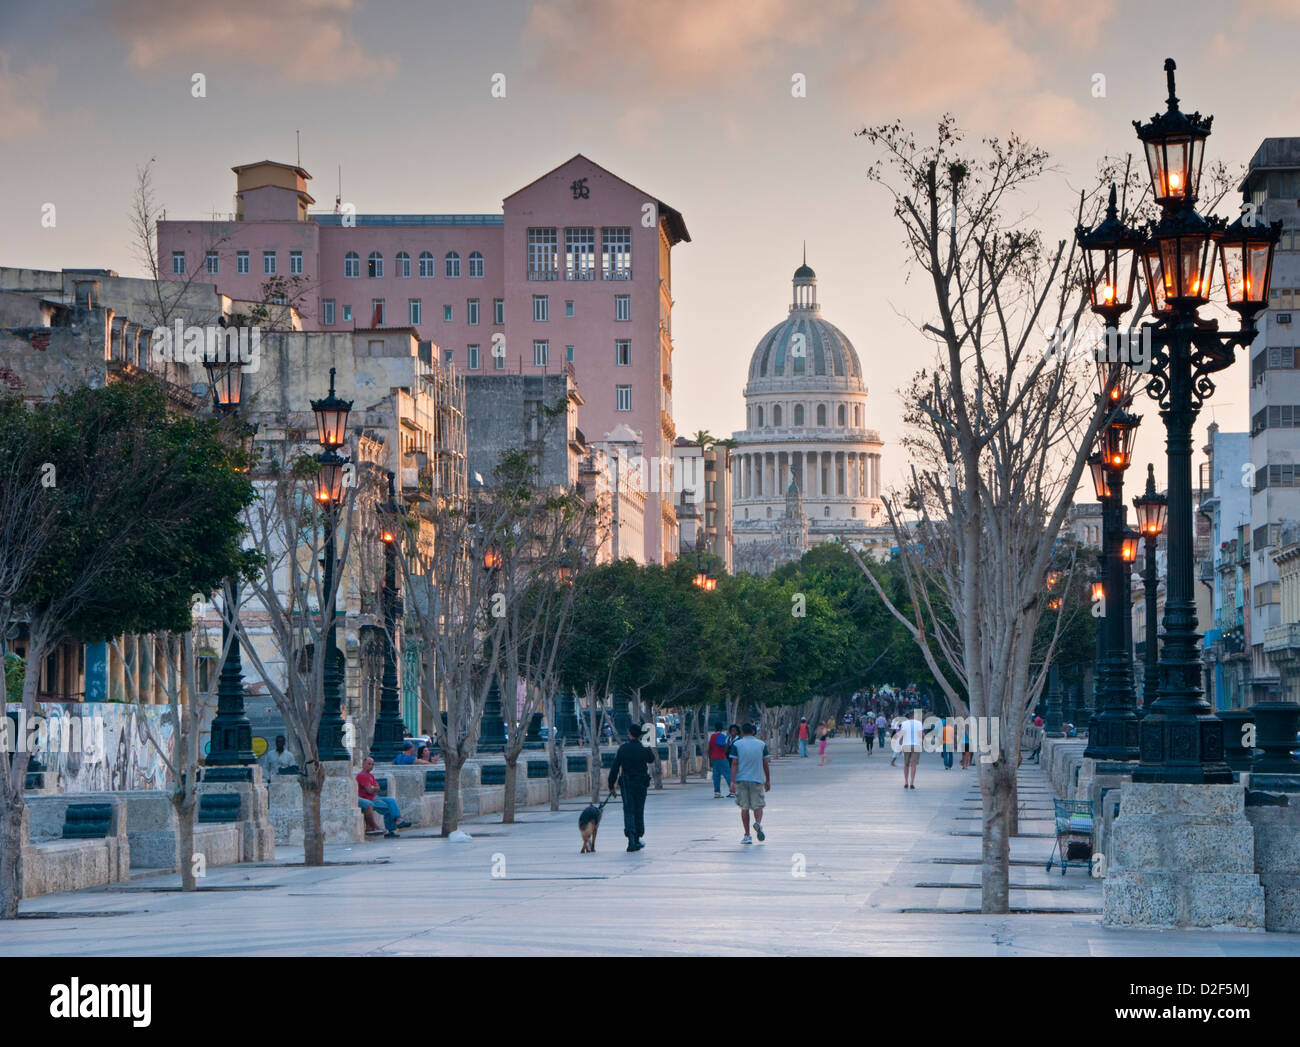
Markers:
point(633, 760)
point(752, 777)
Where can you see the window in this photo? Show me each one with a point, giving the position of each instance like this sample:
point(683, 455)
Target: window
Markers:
point(541, 308)
point(826, 510)
point(375, 265)
point(623, 353)
point(760, 418)
point(473, 357)
point(1268, 593)
point(616, 253)
point(776, 415)
point(1267, 536)
point(498, 310)
point(857, 416)
point(471, 311)
point(413, 307)
point(377, 312)
point(543, 263)
point(268, 263)
point(541, 353)
point(451, 265)
point(622, 398)
point(352, 265)
point(295, 263)
point(211, 262)
point(622, 307)
point(327, 308)
point(475, 265)
point(426, 264)
point(798, 414)
point(347, 314)
point(446, 314)
point(568, 308)
point(448, 357)
point(178, 263)
point(1277, 476)
point(842, 415)
point(241, 261)
point(498, 359)
point(821, 414)
point(568, 353)
point(403, 265)
point(580, 253)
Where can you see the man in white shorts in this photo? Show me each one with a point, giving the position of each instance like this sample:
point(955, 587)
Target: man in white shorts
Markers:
point(751, 777)
point(907, 740)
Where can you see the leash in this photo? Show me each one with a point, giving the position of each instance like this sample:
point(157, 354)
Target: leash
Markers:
point(606, 800)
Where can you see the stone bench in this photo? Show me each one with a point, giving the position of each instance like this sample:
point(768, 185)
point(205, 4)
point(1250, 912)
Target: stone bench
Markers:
point(91, 849)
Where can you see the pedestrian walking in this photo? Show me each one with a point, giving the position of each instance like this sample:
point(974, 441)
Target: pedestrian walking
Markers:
point(751, 771)
point(868, 732)
point(719, 742)
point(803, 736)
point(949, 735)
point(822, 732)
point(910, 736)
point(633, 761)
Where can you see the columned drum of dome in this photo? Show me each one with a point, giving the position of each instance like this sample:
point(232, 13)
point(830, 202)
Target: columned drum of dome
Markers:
point(805, 432)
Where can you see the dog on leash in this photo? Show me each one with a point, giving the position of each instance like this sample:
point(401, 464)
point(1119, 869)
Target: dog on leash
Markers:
point(589, 825)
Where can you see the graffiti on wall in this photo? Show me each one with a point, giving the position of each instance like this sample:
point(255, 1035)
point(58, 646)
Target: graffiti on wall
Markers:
point(128, 759)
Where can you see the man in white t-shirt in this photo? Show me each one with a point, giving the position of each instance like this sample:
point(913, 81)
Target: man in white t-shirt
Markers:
point(907, 740)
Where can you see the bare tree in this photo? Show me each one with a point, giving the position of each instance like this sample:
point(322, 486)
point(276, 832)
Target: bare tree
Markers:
point(1001, 429)
point(287, 527)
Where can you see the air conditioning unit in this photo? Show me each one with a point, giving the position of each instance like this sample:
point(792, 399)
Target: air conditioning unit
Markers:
point(1284, 318)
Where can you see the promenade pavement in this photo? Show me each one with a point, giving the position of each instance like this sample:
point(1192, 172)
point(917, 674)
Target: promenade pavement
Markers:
point(853, 865)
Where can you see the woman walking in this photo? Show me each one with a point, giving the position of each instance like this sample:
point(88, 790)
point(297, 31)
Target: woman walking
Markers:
point(869, 732)
point(822, 732)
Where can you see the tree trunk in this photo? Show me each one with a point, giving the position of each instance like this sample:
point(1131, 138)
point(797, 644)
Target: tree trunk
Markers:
point(683, 742)
point(185, 805)
point(452, 763)
point(593, 716)
point(554, 761)
point(997, 781)
point(512, 776)
point(313, 833)
point(11, 857)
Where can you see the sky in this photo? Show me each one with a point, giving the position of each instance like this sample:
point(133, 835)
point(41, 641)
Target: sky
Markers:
point(690, 100)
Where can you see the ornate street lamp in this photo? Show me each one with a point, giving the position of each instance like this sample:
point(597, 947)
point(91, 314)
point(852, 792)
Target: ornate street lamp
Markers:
point(1181, 740)
point(387, 742)
point(231, 741)
point(331, 427)
point(1110, 256)
point(1152, 509)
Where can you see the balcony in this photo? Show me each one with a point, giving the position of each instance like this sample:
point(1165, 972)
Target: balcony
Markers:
point(1283, 641)
point(543, 274)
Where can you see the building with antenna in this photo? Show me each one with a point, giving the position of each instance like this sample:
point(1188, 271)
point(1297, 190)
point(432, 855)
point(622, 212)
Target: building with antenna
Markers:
point(572, 275)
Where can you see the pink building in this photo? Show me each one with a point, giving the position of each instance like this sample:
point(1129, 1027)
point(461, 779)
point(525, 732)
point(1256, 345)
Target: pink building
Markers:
point(574, 270)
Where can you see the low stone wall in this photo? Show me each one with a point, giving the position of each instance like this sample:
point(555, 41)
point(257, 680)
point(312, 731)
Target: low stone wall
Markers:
point(55, 865)
point(1062, 759)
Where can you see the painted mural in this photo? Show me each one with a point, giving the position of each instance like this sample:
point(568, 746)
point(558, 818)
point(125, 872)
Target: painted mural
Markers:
point(124, 759)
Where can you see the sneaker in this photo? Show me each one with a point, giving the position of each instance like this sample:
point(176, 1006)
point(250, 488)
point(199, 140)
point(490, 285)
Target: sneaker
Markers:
point(758, 830)
point(746, 839)
point(717, 796)
point(374, 832)
point(391, 836)
point(403, 825)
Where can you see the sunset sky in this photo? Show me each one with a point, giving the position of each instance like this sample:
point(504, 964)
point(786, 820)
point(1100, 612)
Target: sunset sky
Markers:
point(687, 99)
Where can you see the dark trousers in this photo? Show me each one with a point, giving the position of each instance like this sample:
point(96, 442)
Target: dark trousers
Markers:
point(634, 807)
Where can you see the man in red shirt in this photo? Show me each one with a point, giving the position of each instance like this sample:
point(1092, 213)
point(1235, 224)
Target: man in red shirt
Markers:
point(719, 742)
point(803, 736)
point(368, 798)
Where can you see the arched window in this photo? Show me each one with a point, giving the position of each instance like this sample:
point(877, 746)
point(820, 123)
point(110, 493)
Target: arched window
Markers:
point(426, 264)
point(375, 264)
point(857, 416)
point(821, 414)
point(769, 512)
point(451, 267)
point(776, 415)
point(352, 264)
point(760, 417)
point(403, 264)
point(798, 414)
point(475, 264)
point(843, 416)
point(826, 510)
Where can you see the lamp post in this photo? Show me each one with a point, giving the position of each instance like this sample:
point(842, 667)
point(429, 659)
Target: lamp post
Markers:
point(1152, 510)
point(331, 426)
point(1181, 741)
point(387, 741)
point(231, 742)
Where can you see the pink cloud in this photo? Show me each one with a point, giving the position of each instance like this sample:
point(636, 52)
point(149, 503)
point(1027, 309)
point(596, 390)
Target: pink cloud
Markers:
point(22, 99)
point(308, 41)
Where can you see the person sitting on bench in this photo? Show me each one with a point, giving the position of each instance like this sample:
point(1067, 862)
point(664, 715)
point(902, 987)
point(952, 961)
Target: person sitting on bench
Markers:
point(368, 799)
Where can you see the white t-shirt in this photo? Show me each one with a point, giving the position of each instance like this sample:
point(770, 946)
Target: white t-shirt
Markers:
point(910, 732)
